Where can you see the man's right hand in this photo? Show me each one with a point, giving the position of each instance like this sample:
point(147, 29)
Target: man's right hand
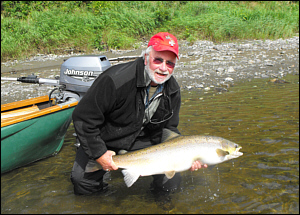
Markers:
point(106, 161)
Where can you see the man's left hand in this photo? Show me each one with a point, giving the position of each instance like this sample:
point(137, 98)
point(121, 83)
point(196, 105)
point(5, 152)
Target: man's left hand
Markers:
point(197, 165)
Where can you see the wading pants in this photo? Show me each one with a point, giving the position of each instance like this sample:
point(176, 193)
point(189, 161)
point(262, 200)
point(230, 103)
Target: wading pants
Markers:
point(88, 183)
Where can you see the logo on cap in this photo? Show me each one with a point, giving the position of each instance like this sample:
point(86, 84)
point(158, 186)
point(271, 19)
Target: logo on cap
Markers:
point(171, 42)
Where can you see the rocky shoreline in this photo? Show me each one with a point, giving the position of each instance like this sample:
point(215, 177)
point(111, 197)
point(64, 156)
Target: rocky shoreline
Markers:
point(203, 65)
point(223, 64)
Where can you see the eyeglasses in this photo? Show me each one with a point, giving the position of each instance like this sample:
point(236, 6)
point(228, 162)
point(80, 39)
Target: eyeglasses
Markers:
point(158, 60)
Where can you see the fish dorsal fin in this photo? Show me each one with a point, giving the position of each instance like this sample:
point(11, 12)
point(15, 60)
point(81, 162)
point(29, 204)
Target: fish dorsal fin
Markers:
point(170, 174)
point(222, 153)
point(168, 135)
point(130, 177)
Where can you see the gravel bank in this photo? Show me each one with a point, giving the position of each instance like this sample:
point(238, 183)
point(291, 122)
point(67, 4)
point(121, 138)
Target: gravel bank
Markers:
point(202, 66)
point(205, 65)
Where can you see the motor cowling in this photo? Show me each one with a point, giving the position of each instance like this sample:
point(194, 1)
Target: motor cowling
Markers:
point(78, 73)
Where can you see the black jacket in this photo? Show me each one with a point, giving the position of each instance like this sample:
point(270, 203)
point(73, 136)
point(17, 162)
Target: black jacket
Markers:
point(111, 113)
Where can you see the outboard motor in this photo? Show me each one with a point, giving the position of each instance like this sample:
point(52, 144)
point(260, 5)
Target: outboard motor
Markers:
point(77, 74)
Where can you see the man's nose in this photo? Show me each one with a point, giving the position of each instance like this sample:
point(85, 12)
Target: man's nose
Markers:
point(163, 66)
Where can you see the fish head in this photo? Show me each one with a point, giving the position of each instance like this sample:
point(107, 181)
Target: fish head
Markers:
point(230, 150)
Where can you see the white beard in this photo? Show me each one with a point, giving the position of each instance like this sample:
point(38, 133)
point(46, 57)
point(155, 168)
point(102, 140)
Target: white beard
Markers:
point(151, 73)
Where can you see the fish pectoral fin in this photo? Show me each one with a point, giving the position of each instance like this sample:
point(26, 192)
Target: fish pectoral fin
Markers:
point(170, 174)
point(92, 166)
point(130, 177)
point(222, 153)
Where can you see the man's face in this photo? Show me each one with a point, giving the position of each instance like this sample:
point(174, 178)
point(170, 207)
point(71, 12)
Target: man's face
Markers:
point(160, 66)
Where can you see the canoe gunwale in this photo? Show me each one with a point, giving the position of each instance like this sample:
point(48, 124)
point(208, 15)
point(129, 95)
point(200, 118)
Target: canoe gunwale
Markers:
point(11, 106)
point(23, 103)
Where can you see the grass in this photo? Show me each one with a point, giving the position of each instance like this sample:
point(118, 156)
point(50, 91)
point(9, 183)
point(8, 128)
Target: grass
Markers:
point(46, 27)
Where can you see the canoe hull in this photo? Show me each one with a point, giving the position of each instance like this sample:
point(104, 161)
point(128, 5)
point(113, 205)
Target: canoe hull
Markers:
point(33, 129)
point(25, 142)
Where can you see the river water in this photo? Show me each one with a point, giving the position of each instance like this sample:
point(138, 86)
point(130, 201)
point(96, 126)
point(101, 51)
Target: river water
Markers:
point(260, 115)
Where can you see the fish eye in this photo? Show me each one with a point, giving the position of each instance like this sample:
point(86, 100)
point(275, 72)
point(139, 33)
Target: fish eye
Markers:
point(236, 146)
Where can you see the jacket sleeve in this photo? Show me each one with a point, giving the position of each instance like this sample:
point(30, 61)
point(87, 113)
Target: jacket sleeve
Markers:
point(89, 115)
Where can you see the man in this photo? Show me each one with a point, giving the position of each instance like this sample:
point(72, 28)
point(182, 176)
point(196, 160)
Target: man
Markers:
point(127, 108)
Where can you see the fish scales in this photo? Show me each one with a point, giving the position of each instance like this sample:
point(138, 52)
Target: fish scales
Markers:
point(149, 153)
point(174, 155)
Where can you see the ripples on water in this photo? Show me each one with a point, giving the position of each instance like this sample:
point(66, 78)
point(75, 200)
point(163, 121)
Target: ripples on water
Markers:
point(261, 116)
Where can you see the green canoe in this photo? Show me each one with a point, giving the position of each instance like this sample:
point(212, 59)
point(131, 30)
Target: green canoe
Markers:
point(32, 129)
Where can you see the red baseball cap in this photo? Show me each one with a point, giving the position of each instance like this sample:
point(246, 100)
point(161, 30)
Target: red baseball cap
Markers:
point(164, 41)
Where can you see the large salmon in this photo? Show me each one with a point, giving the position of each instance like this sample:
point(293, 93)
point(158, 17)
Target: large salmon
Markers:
point(174, 155)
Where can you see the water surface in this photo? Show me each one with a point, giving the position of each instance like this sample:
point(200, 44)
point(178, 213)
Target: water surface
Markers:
point(261, 116)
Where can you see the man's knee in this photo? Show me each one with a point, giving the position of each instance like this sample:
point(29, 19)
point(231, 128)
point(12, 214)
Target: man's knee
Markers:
point(87, 183)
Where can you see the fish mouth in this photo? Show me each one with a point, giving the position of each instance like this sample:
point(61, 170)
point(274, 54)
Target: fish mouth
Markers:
point(237, 152)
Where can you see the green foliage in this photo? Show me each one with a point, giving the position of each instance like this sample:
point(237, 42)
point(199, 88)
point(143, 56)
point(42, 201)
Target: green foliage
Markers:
point(49, 30)
point(162, 13)
point(23, 9)
point(117, 40)
point(219, 21)
point(100, 7)
point(30, 27)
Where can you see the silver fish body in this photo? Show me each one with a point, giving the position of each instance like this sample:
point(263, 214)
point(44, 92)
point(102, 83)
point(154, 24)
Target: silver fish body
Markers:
point(175, 155)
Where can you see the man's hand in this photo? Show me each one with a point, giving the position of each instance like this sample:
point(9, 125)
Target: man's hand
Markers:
point(197, 165)
point(106, 161)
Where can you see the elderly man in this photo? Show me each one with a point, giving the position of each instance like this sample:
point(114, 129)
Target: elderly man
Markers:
point(127, 107)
